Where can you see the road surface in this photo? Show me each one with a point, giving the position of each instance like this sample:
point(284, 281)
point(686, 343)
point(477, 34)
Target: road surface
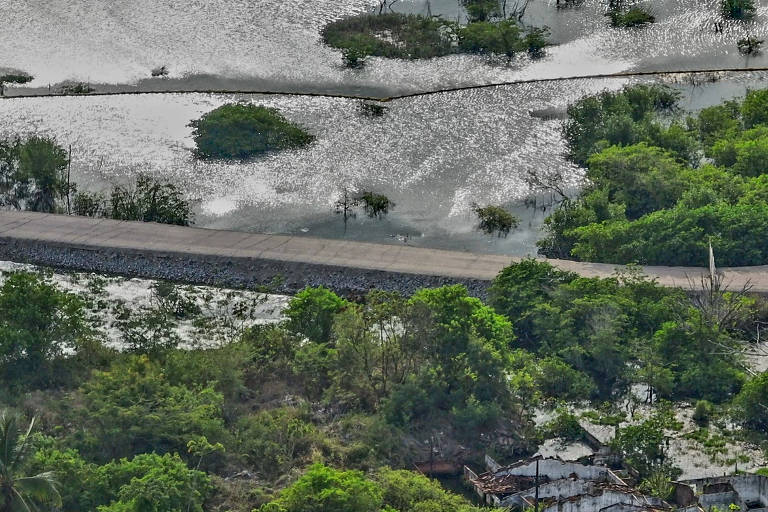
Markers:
point(110, 237)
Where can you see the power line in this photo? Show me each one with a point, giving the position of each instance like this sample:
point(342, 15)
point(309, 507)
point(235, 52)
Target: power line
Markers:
point(384, 99)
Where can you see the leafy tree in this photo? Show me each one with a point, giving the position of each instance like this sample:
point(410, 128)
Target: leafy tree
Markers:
point(376, 348)
point(149, 201)
point(42, 162)
point(133, 408)
point(408, 491)
point(679, 236)
point(521, 286)
point(643, 445)
point(556, 379)
point(643, 178)
point(147, 482)
point(495, 219)
point(467, 345)
point(32, 174)
point(713, 123)
point(153, 483)
point(481, 10)
point(275, 441)
point(499, 38)
point(321, 489)
point(310, 313)
point(21, 493)
point(245, 130)
point(752, 402)
point(754, 108)
point(614, 118)
point(38, 324)
point(376, 205)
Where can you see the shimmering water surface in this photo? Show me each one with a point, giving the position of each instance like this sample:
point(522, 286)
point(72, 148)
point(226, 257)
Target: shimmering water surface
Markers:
point(434, 155)
point(275, 45)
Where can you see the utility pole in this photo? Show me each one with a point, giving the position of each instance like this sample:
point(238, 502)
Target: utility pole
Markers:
point(536, 498)
point(69, 170)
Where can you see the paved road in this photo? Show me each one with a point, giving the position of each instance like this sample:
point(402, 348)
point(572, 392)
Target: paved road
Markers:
point(109, 235)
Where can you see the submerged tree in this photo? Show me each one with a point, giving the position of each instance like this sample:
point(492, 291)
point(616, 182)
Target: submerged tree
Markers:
point(738, 9)
point(33, 174)
point(20, 493)
point(373, 204)
point(150, 201)
point(13, 78)
point(495, 219)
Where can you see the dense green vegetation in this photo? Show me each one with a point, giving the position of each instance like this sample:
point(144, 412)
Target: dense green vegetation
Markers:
point(738, 9)
point(33, 176)
point(312, 413)
point(395, 35)
point(239, 130)
point(635, 16)
point(661, 189)
point(147, 201)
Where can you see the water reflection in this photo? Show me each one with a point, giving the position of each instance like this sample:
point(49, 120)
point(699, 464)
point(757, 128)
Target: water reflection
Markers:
point(432, 155)
point(274, 45)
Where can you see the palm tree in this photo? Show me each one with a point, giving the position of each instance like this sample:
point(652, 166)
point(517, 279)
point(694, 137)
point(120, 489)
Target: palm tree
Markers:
point(17, 493)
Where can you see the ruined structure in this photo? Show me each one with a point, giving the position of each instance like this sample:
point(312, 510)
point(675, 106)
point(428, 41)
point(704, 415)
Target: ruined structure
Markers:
point(558, 486)
point(748, 492)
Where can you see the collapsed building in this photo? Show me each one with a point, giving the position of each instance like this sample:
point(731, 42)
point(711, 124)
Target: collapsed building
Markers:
point(558, 486)
point(748, 492)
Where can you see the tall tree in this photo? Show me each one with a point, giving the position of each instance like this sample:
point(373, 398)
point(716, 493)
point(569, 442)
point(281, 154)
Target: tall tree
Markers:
point(20, 493)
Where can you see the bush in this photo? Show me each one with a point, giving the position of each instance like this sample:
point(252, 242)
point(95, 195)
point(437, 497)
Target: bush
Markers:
point(501, 38)
point(738, 9)
point(564, 426)
point(394, 35)
point(633, 17)
point(245, 130)
point(324, 489)
point(749, 45)
point(133, 408)
point(149, 201)
point(39, 323)
point(495, 219)
point(391, 35)
point(275, 441)
point(703, 412)
point(376, 205)
point(76, 88)
point(311, 311)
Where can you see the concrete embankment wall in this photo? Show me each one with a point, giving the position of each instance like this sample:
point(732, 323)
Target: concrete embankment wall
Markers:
point(287, 263)
point(230, 272)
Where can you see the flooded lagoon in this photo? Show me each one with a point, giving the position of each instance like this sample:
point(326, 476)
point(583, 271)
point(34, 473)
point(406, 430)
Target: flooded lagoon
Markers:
point(433, 156)
point(275, 46)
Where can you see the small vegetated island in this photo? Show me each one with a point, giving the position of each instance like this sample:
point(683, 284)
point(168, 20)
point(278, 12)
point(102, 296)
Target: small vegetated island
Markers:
point(662, 187)
point(490, 30)
point(239, 130)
